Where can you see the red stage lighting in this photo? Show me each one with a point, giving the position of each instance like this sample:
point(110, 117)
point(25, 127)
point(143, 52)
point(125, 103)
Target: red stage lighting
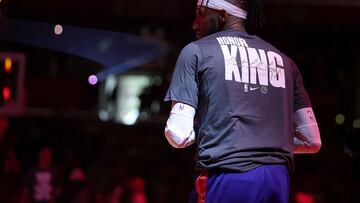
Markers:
point(12, 74)
point(6, 93)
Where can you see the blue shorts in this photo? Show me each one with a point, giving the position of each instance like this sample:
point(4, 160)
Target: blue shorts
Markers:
point(264, 184)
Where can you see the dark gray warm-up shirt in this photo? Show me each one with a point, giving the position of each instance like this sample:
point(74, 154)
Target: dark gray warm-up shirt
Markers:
point(245, 92)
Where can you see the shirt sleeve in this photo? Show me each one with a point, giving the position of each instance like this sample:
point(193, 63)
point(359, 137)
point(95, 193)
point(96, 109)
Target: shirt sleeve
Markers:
point(184, 86)
point(301, 98)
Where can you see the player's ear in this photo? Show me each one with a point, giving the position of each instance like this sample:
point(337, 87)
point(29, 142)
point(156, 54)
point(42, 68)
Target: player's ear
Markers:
point(223, 16)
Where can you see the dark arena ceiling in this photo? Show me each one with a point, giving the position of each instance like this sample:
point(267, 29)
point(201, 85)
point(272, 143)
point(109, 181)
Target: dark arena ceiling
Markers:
point(115, 12)
point(302, 28)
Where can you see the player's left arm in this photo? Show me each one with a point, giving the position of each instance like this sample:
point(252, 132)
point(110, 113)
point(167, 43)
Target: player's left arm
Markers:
point(179, 129)
point(307, 135)
point(183, 92)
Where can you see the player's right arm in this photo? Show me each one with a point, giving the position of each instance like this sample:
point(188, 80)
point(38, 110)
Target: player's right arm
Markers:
point(307, 136)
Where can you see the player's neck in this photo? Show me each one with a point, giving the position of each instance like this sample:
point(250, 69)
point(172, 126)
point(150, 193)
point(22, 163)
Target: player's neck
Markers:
point(235, 24)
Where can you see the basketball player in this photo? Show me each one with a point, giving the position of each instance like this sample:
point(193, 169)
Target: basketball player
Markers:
point(252, 111)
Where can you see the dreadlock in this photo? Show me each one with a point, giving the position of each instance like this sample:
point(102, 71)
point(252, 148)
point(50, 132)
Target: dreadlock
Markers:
point(255, 9)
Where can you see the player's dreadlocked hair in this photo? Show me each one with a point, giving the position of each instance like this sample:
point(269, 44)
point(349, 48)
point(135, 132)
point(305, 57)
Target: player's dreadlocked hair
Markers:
point(255, 11)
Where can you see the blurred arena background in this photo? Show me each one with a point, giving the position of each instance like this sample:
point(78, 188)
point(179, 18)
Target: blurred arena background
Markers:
point(82, 84)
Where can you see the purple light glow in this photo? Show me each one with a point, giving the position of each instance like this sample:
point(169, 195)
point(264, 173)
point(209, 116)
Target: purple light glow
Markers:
point(58, 29)
point(92, 79)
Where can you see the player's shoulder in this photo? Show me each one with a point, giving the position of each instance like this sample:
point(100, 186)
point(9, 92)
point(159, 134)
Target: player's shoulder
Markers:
point(266, 44)
point(272, 47)
point(190, 49)
point(205, 45)
point(208, 40)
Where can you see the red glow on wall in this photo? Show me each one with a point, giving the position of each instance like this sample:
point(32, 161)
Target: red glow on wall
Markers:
point(302, 197)
point(6, 93)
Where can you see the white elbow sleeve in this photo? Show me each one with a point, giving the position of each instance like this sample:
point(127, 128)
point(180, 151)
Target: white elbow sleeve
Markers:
point(307, 136)
point(179, 130)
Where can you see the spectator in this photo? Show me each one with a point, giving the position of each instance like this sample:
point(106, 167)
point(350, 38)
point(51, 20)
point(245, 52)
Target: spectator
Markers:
point(10, 171)
point(77, 189)
point(42, 181)
point(137, 189)
point(134, 191)
point(117, 189)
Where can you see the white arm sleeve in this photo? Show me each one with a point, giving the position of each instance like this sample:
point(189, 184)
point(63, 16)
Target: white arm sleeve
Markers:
point(179, 130)
point(307, 136)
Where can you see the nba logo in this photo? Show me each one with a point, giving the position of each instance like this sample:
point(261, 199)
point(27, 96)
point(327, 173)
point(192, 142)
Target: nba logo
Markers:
point(246, 87)
point(181, 107)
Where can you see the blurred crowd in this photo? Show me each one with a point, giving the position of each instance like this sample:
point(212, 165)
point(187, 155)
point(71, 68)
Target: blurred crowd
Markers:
point(67, 161)
point(45, 183)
